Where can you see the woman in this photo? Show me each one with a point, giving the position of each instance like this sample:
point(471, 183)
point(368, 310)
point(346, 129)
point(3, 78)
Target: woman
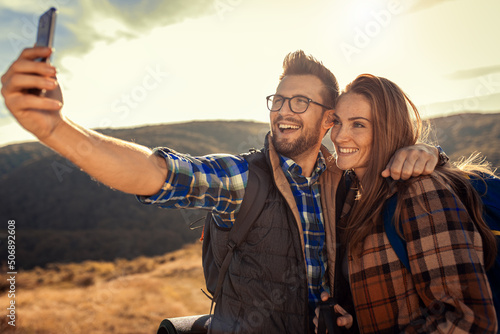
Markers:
point(448, 242)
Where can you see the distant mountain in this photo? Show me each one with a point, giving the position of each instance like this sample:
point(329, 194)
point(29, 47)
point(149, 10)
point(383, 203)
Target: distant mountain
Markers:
point(462, 134)
point(63, 216)
point(485, 103)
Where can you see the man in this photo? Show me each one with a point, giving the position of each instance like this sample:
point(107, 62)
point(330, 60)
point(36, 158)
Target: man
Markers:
point(288, 237)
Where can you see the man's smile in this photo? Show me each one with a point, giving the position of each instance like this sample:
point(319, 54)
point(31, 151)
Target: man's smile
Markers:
point(287, 127)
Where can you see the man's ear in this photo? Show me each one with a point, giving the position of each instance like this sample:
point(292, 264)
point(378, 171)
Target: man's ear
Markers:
point(328, 119)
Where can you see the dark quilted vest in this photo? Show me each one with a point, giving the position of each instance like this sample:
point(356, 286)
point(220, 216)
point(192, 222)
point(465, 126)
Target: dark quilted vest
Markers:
point(265, 288)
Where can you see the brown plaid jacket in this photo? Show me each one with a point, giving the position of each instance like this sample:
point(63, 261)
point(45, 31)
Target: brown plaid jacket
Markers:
point(447, 289)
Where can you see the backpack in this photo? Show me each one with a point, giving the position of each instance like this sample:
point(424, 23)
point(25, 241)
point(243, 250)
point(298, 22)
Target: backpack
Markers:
point(218, 249)
point(488, 189)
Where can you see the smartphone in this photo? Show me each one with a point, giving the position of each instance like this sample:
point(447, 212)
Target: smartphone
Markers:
point(46, 25)
point(45, 37)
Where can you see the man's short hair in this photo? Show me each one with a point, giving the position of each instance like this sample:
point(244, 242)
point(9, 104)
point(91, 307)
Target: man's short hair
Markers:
point(298, 63)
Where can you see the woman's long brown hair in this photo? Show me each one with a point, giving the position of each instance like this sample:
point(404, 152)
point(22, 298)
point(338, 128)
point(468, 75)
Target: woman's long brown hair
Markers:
point(394, 128)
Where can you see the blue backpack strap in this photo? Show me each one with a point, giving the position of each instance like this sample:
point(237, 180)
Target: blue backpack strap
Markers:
point(397, 243)
point(489, 190)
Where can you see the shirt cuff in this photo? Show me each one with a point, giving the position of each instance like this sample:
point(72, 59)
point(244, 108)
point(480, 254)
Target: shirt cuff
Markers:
point(162, 152)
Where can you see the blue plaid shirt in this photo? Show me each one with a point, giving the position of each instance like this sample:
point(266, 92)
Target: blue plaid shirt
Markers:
point(306, 192)
point(217, 182)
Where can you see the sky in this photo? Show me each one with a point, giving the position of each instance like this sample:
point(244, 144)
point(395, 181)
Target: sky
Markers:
point(129, 63)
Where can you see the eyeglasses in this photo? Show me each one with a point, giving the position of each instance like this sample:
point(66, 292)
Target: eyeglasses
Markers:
point(298, 104)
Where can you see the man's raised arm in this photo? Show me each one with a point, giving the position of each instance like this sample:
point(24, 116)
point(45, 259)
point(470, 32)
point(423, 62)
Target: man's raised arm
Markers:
point(119, 164)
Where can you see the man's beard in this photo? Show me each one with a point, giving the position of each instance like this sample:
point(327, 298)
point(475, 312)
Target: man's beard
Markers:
point(304, 143)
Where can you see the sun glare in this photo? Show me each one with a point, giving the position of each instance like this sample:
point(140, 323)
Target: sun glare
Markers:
point(109, 27)
point(362, 11)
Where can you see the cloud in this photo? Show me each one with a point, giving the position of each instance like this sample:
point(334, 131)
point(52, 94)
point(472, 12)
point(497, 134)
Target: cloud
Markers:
point(22, 6)
point(418, 5)
point(17, 31)
point(82, 24)
point(473, 72)
point(109, 20)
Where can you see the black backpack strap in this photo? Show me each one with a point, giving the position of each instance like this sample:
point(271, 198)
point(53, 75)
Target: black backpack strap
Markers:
point(259, 178)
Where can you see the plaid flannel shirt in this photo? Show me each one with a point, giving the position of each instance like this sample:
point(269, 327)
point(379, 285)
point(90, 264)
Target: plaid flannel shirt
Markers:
point(217, 182)
point(447, 289)
point(306, 192)
point(214, 182)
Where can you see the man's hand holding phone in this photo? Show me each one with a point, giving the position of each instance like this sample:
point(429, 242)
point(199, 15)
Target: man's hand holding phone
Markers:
point(119, 164)
point(37, 111)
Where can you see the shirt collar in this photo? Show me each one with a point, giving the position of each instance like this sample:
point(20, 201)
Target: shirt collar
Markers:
point(291, 169)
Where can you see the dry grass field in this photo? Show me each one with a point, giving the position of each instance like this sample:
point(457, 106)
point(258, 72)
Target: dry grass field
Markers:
point(108, 297)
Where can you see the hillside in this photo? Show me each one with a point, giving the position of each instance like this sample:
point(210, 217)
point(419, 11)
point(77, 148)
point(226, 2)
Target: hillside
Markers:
point(63, 216)
point(462, 134)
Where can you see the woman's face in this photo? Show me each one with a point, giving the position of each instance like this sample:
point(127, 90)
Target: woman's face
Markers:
point(352, 133)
